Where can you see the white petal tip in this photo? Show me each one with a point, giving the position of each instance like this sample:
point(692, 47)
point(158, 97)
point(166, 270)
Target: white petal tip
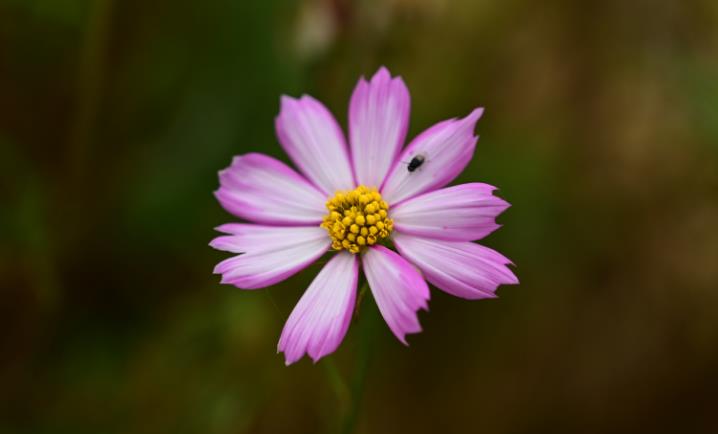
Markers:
point(476, 114)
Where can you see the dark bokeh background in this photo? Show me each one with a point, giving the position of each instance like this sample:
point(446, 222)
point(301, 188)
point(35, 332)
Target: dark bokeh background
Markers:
point(601, 129)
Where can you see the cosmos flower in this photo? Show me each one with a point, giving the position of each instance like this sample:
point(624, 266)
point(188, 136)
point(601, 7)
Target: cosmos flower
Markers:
point(360, 202)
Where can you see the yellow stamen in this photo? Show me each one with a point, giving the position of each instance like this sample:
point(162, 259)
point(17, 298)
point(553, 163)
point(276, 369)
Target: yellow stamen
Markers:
point(357, 218)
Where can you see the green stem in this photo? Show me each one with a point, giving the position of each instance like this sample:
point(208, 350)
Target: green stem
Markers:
point(349, 394)
point(367, 329)
point(90, 81)
point(360, 299)
point(338, 384)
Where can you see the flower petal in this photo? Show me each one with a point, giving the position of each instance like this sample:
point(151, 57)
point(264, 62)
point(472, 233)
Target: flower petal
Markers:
point(398, 288)
point(269, 254)
point(464, 269)
point(447, 148)
point(464, 212)
point(261, 189)
point(319, 321)
point(314, 141)
point(378, 120)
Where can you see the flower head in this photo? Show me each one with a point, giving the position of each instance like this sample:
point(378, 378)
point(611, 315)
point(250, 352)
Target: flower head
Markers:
point(359, 201)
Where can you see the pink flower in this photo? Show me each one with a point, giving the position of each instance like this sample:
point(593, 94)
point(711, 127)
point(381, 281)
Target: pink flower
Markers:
point(353, 201)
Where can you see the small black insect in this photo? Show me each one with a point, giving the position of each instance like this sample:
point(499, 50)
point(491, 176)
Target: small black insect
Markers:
point(416, 162)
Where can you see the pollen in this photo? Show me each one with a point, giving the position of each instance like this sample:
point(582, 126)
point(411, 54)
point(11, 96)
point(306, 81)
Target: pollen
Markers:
point(357, 219)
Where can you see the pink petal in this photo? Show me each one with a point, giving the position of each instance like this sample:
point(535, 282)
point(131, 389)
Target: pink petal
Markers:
point(398, 288)
point(269, 254)
point(447, 148)
point(319, 321)
point(261, 189)
point(378, 120)
point(314, 141)
point(463, 269)
point(464, 212)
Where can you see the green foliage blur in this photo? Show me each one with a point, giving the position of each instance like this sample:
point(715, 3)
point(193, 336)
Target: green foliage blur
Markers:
point(601, 129)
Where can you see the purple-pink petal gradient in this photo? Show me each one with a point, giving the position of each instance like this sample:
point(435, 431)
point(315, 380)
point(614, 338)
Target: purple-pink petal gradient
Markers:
point(447, 147)
point(320, 319)
point(261, 189)
point(313, 139)
point(268, 254)
point(464, 269)
point(398, 288)
point(434, 225)
point(378, 120)
point(465, 212)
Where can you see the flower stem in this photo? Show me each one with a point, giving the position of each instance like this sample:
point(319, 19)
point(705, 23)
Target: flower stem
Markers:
point(367, 329)
point(338, 384)
point(90, 81)
point(350, 393)
point(360, 299)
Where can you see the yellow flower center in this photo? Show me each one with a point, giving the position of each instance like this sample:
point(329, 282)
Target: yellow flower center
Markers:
point(357, 219)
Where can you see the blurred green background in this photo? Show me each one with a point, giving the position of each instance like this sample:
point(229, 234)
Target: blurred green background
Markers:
point(601, 128)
